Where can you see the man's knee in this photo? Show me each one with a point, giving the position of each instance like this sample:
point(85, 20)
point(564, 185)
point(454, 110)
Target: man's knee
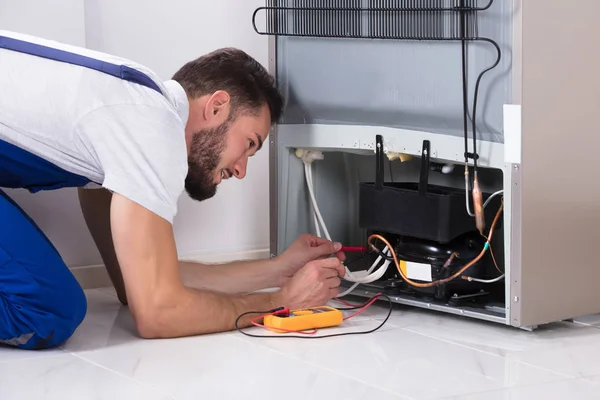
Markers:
point(66, 314)
point(47, 317)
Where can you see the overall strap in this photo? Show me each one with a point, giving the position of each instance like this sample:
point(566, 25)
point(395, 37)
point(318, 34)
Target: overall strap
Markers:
point(119, 71)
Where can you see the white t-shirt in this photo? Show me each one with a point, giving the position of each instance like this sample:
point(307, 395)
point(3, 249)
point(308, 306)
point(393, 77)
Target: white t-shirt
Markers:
point(124, 136)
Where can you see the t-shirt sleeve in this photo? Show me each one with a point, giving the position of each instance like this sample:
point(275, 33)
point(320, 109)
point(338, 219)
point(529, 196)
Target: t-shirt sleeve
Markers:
point(142, 152)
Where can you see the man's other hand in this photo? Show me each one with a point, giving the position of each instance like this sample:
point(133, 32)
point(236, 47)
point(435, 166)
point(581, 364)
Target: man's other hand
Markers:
point(313, 285)
point(305, 249)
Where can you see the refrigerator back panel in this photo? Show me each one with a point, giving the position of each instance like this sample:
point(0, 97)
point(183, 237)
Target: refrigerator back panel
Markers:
point(387, 63)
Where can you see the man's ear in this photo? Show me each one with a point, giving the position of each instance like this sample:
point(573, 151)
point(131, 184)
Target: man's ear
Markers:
point(218, 107)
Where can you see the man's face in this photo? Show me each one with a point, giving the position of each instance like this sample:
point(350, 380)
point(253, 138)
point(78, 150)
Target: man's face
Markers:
point(219, 147)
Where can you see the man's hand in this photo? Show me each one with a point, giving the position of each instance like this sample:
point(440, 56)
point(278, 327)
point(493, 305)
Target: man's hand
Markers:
point(314, 285)
point(305, 249)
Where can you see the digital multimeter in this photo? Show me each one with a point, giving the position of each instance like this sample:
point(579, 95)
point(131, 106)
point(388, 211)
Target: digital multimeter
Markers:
point(305, 319)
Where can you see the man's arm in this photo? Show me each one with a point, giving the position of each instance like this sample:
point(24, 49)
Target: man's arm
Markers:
point(233, 278)
point(163, 307)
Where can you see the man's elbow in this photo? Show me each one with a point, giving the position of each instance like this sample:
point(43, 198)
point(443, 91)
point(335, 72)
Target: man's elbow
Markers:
point(147, 328)
point(150, 322)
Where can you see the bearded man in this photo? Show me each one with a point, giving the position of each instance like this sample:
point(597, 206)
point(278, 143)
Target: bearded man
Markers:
point(131, 144)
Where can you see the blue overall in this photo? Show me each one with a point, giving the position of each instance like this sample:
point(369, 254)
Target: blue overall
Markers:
point(41, 302)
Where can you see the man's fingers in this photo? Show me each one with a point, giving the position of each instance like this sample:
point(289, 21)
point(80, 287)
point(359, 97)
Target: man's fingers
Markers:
point(329, 273)
point(340, 256)
point(333, 264)
point(316, 241)
point(324, 248)
point(334, 282)
point(333, 293)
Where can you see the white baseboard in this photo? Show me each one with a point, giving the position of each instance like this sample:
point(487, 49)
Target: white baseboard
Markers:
point(95, 276)
point(224, 257)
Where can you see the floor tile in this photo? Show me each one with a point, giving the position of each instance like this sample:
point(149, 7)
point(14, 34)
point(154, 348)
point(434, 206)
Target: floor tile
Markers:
point(567, 348)
point(67, 377)
point(11, 354)
point(492, 337)
point(577, 360)
point(410, 364)
point(378, 310)
point(220, 366)
point(579, 389)
point(109, 290)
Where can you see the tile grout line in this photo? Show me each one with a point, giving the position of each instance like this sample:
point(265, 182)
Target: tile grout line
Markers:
point(128, 378)
point(402, 397)
point(451, 342)
point(492, 354)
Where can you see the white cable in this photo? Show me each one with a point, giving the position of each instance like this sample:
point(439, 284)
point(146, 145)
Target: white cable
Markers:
point(314, 200)
point(309, 181)
point(377, 275)
point(486, 281)
point(491, 197)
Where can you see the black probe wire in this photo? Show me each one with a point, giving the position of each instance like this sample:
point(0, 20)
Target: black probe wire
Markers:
point(283, 336)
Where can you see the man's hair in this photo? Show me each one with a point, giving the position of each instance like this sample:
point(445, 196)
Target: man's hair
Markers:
point(248, 83)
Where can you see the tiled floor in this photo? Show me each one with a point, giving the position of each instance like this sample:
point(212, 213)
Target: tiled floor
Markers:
point(417, 355)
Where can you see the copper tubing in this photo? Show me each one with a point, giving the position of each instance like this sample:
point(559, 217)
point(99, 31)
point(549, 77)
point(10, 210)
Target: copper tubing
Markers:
point(478, 203)
point(441, 281)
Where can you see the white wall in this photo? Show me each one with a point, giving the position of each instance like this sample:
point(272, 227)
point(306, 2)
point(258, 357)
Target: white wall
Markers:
point(163, 36)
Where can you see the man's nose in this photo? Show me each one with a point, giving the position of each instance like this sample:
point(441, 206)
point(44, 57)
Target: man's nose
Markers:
point(239, 169)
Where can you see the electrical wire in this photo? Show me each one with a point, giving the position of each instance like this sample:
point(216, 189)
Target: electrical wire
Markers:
point(316, 213)
point(371, 277)
point(487, 202)
point(445, 280)
point(310, 334)
point(468, 278)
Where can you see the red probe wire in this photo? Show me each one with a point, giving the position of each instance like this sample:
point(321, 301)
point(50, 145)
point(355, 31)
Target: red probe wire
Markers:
point(354, 249)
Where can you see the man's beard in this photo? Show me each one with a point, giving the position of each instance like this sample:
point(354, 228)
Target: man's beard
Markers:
point(203, 160)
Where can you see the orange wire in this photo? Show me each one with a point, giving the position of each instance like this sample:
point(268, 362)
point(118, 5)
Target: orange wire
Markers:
point(441, 281)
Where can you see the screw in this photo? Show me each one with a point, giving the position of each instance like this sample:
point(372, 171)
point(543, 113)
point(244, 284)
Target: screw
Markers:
point(516, 167)
point(516, 299)
point(272, 255)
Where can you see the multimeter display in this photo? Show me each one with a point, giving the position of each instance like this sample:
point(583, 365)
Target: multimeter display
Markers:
point(305, 319)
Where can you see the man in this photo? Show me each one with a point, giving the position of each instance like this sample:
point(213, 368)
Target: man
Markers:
point(71, 117)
